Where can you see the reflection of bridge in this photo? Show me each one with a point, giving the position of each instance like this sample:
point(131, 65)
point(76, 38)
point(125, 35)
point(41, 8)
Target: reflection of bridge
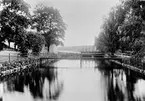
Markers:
point(87, 64)
point(72, 64)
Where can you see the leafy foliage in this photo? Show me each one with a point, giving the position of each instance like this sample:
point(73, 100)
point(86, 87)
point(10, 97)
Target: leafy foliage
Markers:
point(103, 42)
point(22, 43)
point(30, 41)
point(13, 18)
point(35, 42)
point(109, 37)
point(124, 28)
point(131, 29)
point(49, 22)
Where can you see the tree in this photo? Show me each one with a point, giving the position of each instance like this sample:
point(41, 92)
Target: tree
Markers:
point(103, 42)
point(133, 26)
point(35, 42)
point(14, 17)
point(125, 27)
point(109, 37)
point(49, 22)
point(22, 42)
point(30, 41)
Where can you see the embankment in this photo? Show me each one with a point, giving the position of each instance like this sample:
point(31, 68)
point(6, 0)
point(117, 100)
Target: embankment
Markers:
point(18, 66)
point(129, 66)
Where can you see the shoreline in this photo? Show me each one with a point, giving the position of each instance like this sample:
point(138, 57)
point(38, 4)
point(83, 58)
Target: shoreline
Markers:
point(15, 67)
point(136, 69)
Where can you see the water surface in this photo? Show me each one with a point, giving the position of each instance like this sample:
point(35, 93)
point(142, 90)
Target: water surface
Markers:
point(75, 80)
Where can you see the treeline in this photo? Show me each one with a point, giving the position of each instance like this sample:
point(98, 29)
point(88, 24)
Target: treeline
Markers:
point(124, 29)
point(30, 31)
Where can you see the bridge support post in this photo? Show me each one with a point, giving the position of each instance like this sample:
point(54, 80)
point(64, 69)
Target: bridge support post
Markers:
point(80, 63)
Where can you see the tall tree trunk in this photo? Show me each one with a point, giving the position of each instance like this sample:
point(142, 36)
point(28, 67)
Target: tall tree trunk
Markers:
point(48, 47)
point(15, 46)
point(9, 43)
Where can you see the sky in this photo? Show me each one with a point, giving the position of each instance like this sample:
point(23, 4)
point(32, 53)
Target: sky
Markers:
point(83, 18)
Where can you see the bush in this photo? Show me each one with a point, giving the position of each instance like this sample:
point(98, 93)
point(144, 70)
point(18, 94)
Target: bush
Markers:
point(20, 63)
point(35, 42)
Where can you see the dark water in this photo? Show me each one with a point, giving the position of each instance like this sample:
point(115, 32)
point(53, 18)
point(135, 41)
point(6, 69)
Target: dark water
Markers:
point(75, 80)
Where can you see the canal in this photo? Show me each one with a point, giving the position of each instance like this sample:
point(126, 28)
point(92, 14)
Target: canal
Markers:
point(75, 80)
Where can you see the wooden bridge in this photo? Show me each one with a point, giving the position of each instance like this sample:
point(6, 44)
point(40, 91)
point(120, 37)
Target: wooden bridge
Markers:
point(92, 54)
point(77, 56)
point(83, 58)
point(83, 55)
point(87, 53)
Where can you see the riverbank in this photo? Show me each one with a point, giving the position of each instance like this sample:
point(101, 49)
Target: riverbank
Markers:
point(21, 64)
point(14, 67)
point(129, 67)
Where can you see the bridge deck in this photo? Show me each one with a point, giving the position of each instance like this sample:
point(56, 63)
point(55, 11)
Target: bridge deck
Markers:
point(94, 58)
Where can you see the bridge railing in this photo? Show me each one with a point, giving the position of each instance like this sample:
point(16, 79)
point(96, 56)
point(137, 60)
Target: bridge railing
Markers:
point(52, 55)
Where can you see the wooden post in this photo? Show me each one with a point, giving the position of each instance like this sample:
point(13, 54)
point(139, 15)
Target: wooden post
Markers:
point(80, 63)
point(17, 56)
point(9, 57)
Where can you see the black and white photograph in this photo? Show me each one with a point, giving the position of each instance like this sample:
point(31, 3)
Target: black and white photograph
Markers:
point(72, 50)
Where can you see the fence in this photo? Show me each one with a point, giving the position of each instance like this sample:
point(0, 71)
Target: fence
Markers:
point(8, 57)
point(12, 57)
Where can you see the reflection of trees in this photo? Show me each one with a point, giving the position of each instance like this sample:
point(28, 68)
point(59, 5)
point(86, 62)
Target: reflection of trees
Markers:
point(120, 82)
point(19, 82)
point(34, 80)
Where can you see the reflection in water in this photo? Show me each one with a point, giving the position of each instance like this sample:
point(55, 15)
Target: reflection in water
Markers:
point(122, 85)
point(89, 81)
point(41, 83)
point(139, 92)
point(75, 64)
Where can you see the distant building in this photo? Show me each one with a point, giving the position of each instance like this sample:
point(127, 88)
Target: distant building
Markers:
point(53, 49)
point(77, 48)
